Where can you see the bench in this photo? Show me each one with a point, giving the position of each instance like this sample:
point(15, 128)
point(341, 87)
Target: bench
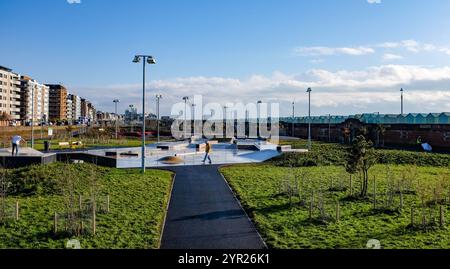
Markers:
point(70, 145)
point(64, 144)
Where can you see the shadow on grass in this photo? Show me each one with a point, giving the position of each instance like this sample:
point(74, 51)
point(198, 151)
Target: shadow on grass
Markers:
point(378, 212)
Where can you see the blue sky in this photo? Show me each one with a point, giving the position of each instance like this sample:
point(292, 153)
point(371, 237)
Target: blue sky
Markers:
point(356, 55)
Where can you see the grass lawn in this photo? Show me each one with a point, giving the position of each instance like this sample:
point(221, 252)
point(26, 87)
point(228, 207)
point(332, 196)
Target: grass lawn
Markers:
point(137, 208)
point(286, 225)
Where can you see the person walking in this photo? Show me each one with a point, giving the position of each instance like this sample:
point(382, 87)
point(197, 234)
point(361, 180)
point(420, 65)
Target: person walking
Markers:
point(208, 151)
point(16, 144)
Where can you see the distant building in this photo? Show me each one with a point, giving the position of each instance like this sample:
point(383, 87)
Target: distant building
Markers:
point(412, 118)
point(92, 113)
point(131, 114)
point(104, 118)
point(76, 107)
point(34, 97)
point(9, 93)
point(69, 111)
point(57, 102)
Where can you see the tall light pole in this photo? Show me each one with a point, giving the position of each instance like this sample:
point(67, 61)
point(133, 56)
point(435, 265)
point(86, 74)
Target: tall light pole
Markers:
point(293, 119)
point(259, 117)
point(401, 91)
point(378, 127)
point(158, 100)
point(185, 99)
point(131, 117)
point(116, 102)
point(309, 119)
point(247, 124)
point(329, 128)
point(150, 60)
point(225, 121)
point(193, 119)
point(32, 116)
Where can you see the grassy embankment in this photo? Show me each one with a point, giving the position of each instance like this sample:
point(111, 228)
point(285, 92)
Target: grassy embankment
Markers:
point(137, 206)
point(278, 196)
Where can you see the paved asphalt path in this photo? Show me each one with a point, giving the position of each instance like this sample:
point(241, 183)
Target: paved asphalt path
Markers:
point(204, 213)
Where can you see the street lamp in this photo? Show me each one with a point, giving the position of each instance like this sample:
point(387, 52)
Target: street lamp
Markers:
point(329, 128)
point(193, 119)
point(185, 99)
point(116, 101)
point(32, 116)
point(258, 118)
point(293, 119)
point(309, 118)
point(401, 91)
point(149, 60)
point(225, 121)
point(378, 127)
point(158, 99)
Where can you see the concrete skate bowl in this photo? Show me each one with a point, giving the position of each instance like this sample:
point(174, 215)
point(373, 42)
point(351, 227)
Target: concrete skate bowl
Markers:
point(171, 160)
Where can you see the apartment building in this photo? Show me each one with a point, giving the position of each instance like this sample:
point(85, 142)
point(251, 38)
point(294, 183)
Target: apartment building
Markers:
point(69, 110)
point(34, 101)
point(76, 106)
point(92, 112)
point(9, 93)
point(57, 102)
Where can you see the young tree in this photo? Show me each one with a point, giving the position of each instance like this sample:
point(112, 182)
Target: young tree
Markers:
point(361, 158)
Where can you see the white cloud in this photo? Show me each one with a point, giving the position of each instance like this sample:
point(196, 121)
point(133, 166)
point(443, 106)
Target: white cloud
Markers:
point(414, 46)
point(317, 61)
point(328, 51)
point(337, 92)
point(74, 1)
point(374, 1)
point(391, 57)
point(390, 49)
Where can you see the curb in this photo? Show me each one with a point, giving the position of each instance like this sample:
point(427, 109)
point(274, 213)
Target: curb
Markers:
point(167, 210)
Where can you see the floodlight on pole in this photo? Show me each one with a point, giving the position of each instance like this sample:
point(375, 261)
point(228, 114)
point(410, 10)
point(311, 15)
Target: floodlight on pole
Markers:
point(185, 99)
point(293, 119)
point(32, 117)
point(116, 102)
point(158, 100)
point(401, 91)
point(150, 60)
point(193, 119)
point(309, 119)
point(259, 118)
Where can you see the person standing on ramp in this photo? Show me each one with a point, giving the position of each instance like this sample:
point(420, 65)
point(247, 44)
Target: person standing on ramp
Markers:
point(16, 144)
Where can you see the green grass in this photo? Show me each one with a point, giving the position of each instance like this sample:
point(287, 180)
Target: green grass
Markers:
point(138, 205)
point(336, 154)
point(286, 226)
point(91, 143)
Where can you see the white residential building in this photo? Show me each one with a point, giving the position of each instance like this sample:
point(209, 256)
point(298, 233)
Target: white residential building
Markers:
point(69, 109)
point(34, 97)
point(9, 93)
